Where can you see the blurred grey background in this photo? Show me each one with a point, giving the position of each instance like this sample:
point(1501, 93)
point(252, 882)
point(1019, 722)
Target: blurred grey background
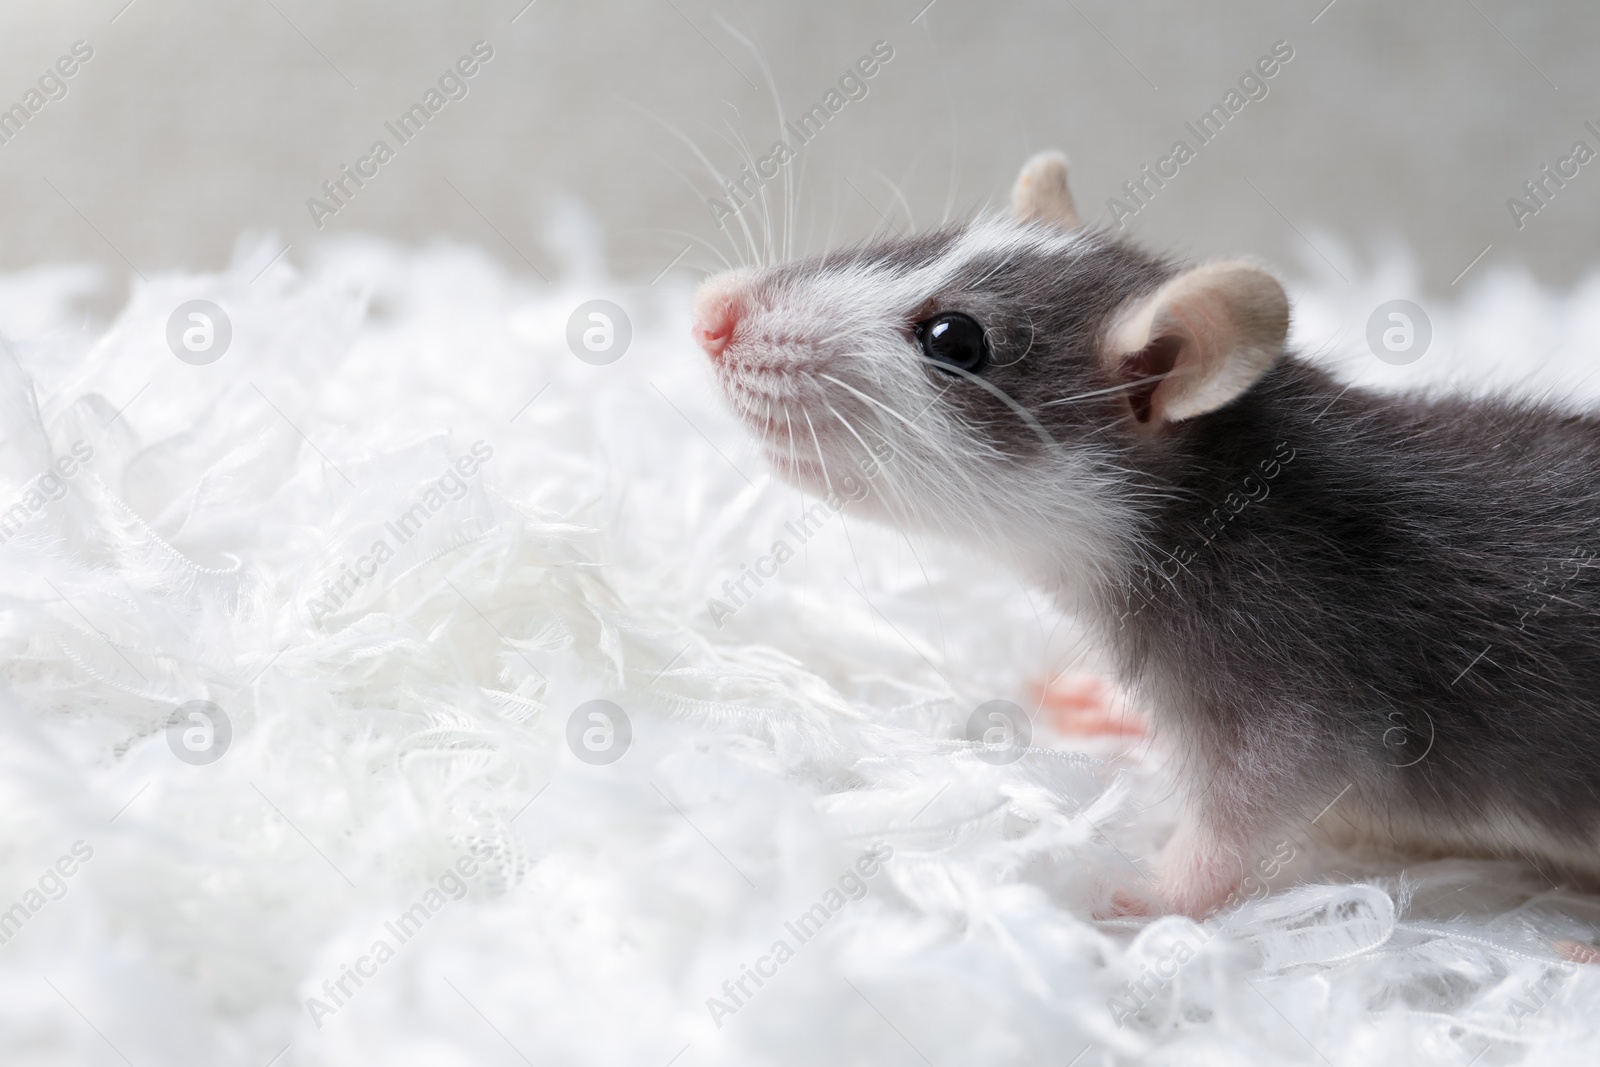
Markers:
point(1397, 121)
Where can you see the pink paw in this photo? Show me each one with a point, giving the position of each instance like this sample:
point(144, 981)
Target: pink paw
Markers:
point(1087, 704)
point(1125, 904)
point(1577, 952)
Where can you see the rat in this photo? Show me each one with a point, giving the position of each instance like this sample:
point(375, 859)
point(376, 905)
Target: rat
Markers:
point(1320, 594)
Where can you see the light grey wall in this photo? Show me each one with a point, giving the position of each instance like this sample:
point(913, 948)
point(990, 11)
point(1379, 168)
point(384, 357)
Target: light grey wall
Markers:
point(1411, 120)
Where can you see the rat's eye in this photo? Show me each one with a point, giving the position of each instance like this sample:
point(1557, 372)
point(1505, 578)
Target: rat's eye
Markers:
point(954, 340)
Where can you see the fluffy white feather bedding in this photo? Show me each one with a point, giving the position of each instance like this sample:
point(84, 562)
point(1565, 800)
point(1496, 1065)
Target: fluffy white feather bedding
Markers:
point(421, 722)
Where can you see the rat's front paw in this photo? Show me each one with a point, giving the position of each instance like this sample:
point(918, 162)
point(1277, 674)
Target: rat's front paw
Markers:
point(1088, 704)
point(1577, 952)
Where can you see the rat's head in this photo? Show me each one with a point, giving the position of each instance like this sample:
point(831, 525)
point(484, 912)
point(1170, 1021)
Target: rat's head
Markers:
point(991, 379)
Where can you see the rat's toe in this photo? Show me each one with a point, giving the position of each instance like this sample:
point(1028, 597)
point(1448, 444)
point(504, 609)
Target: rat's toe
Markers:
point(1577, 952)
point(1088, 704)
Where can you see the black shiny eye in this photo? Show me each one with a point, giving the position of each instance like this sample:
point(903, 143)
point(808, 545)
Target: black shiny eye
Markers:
point(954, 340)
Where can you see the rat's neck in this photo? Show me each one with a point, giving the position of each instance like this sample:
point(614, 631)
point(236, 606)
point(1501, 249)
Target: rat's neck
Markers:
point(1199, 489)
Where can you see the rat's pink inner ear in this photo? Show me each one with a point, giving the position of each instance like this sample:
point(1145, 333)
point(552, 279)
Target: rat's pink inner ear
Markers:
point(1199, 341)
point(1145, 370)
point(1041, 192)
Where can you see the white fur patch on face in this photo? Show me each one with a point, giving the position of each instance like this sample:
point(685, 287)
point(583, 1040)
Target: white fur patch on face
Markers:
point(825, 368)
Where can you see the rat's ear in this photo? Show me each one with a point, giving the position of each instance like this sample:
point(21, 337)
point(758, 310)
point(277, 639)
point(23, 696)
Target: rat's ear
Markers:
point(1041, 193)
point(1205, 337)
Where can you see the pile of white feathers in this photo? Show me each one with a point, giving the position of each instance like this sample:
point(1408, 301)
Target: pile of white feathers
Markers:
point(392, 754)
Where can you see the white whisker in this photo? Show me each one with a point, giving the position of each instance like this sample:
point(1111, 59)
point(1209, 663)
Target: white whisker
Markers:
point(1102, 392)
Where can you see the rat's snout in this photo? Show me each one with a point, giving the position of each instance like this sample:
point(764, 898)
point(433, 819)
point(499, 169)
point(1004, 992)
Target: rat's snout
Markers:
point(718, 305)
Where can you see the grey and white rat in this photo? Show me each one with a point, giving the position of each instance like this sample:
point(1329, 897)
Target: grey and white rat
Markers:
point(1318, 592)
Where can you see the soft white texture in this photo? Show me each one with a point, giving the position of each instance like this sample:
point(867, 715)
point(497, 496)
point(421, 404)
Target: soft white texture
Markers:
point(428, 716)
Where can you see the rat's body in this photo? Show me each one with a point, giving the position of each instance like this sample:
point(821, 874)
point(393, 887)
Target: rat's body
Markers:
point(1319, 593)
point(1386, 595)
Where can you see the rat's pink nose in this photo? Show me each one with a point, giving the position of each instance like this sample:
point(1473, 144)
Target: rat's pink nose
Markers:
point(716, 312)
point(714, 332)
